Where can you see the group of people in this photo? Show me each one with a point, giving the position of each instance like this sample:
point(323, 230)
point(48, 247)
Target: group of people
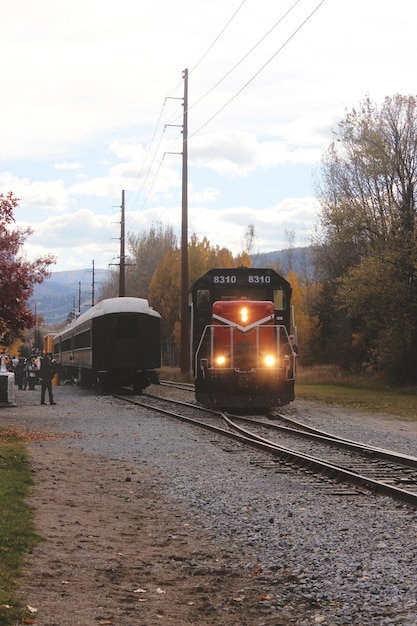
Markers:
point(26, 372)
point(35, 370)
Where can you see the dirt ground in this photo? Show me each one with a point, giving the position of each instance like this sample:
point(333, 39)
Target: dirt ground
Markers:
point(116, 551)
point(148, 565)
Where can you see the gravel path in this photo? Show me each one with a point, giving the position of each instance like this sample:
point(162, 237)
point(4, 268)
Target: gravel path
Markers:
point(323, 555)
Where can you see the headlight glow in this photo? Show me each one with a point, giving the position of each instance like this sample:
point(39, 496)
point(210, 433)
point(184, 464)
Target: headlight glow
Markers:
point(244, 315)
point(269, 360)
point(220, 360)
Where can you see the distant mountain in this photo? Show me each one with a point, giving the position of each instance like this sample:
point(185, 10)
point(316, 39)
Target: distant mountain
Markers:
point(65, 292)
point(297, 259)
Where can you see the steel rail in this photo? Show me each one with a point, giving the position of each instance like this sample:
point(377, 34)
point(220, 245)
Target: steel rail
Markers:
point(336, 441)
point(286, 454)
point(334, 471)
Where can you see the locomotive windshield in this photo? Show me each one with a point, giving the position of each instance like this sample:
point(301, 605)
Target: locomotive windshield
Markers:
point(205, 298)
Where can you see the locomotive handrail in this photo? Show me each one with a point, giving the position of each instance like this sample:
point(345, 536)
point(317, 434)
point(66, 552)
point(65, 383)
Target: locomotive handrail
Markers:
point(283, 360)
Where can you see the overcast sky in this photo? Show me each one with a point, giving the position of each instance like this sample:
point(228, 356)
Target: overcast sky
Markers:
point(92, 104)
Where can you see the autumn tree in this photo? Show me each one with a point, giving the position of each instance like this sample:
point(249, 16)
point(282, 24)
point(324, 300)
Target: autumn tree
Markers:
point(249, 239)
point(145, 251)
point(165, 288)
point(17, 276)
point(368, 254)
point(307, 324)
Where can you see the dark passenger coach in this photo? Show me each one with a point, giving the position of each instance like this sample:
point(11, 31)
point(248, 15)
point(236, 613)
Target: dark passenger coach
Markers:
point(116, 343)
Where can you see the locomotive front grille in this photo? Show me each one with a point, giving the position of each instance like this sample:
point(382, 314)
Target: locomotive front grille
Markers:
point(263, 349)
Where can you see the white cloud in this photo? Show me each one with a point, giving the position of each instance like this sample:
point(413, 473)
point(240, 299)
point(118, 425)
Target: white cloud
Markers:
point(76, 238)
point(235, 153)
point(229, 224)
point(87, 96)
point(67, 166)
point(203, 195)
point(46, 195)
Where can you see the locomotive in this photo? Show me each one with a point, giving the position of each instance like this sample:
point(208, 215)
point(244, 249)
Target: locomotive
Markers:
point(241, 324)
point(115, 343)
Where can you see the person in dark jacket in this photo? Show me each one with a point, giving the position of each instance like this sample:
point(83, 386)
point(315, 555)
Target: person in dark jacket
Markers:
point(20, 373)
point(46, 374)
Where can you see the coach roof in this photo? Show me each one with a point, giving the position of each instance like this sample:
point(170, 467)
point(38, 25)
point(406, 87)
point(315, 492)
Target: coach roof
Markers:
point(111, 306)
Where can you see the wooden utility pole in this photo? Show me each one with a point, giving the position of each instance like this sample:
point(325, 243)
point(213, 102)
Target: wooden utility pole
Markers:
point(122, 280)
point(92, 284)
point(185, 350)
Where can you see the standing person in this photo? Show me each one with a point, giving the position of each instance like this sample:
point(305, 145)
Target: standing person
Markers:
point(30, 375)
point(293, 345)
point(20, 373)
point(46, 374)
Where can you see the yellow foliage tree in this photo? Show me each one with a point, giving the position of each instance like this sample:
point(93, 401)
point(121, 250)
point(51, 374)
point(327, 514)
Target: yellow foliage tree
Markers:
point(306, 323)
point(165, 287)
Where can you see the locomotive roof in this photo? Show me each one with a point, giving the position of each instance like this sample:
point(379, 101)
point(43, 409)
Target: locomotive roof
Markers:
point(241, 274)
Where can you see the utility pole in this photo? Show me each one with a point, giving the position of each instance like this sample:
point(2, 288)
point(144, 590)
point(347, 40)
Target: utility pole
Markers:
point(92, 285)
point(122, 264)
point(185, 350)
point(122, 280)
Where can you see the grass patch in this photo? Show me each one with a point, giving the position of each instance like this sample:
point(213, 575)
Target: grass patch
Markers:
point(175, 375)
point(402, 405)
point(363, 393)
point(17, 529)
point(332, 386)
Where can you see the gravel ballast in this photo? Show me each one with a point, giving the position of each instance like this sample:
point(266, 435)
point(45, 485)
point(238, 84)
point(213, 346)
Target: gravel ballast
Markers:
point(346, 558)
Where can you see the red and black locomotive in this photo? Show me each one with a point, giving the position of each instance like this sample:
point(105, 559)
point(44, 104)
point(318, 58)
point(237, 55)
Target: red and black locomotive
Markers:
point(241, 350)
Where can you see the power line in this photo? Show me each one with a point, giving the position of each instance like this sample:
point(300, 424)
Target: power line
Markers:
point(260, 69)
point(147, 152)
point(246, 55)
point(246, 84)
point(218, 36)
point(177, 85)
point(173, 90)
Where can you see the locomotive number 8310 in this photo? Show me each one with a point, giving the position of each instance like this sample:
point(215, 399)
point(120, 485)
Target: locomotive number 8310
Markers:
point(241, 350)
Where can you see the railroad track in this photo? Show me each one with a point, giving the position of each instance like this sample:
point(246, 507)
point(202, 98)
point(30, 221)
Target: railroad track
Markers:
point(174, 385)
point(368, 468)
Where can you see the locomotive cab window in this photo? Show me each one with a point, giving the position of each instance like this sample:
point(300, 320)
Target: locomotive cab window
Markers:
point(279, 299)
point(203, 299)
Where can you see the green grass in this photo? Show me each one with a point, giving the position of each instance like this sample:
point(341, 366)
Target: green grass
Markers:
point(17, 529)
point(370, 394)
point(403, 405)
point(332, 386)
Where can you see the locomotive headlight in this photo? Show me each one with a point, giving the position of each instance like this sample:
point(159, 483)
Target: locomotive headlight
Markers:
point(220, 360)
point(244, 315)
point(269, 360)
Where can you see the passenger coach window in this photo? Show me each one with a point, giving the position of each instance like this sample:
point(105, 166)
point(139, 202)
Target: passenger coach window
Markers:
point(278, 299)
point(66, 345)
point(83, 340)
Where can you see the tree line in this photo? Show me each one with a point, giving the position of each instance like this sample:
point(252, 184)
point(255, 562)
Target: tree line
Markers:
point(357, 306)
point(366, 254)
point(154, 272)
